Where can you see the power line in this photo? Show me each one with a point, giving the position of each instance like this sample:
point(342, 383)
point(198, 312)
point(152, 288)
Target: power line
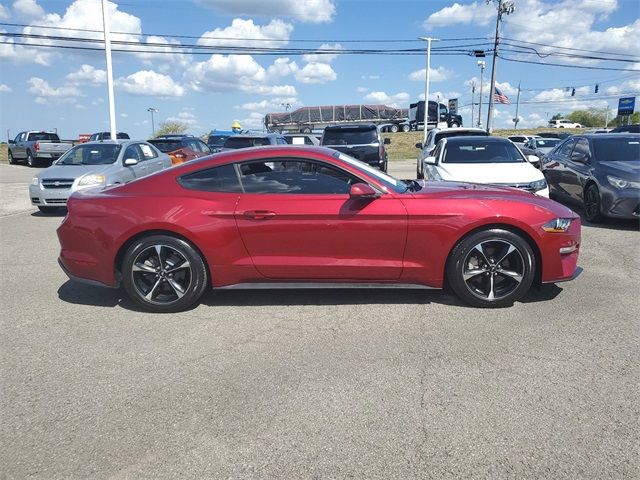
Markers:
point(586, 67)
point(565, 48)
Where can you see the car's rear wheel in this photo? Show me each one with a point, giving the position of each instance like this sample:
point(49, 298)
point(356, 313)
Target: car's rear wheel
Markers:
point(30, 160)
point(406, 128)
point(455, 125)
point(394, 128)
point(491, 268)
point(592, 203)
point(164, 274)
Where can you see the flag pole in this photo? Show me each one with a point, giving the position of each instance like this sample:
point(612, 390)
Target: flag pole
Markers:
point(516, 120)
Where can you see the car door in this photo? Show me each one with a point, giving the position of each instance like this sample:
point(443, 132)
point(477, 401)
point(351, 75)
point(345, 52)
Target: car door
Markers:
point(578, 168)
point(555, 165)
point(20, 149)
point(298, 221)
point(141, 168)
point(154, 162)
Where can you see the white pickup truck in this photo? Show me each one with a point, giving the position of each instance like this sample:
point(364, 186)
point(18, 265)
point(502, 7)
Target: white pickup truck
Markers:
point(35, 147)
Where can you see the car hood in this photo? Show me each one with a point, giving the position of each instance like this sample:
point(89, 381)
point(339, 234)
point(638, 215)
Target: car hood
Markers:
point(476, 191)
point(626, 169)
point(501, 173)
point(72, 171)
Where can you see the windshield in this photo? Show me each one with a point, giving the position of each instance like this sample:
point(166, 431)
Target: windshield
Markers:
point(350, 136)
point(477, 151)
point(43, 136)
point(166, 145)
point(547, 142)
point(245, 142)
point(617, 149)
point(387, 180)
point(95, 154)
point(439, 136)
point(216, 140)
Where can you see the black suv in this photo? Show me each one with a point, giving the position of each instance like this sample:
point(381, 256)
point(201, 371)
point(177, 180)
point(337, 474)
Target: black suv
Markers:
point(107, 136)
point(362, 142)
point(246, 141)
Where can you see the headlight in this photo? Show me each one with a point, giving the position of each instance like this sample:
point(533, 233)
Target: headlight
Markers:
point(620, 183)
point(91, 180)
point(538, 185)
point(35, 181)
point(558, 225)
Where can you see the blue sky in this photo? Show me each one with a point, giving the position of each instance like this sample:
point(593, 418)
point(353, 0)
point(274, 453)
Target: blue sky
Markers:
point(46, 88)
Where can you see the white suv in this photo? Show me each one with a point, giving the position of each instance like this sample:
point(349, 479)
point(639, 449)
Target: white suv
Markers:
point(564, 123)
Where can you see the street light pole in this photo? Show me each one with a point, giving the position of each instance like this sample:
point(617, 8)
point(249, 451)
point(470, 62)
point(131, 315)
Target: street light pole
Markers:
point(504, 6)
point(426, 88)
point(473, 93)
point(153, 125)
point(107, 53)
point(481, 64)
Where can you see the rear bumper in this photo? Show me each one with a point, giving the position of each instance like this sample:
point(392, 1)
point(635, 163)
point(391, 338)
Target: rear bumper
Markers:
point(86, 281)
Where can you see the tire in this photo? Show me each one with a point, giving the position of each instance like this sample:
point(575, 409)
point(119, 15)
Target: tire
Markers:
point(47, 209)
point(170, 275)
point(30, 160)
point(455, 125)
point(477, 265)
point(419, 175)
point(394, 128)
point(406, 128)
point(12, 160)
point(592, 205)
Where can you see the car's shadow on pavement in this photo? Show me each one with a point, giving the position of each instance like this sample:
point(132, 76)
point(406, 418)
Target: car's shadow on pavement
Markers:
point(58, 212)
point(82, 294)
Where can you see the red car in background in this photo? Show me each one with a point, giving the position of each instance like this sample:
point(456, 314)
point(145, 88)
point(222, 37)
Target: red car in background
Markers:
point(309, 216)
point(181, 148)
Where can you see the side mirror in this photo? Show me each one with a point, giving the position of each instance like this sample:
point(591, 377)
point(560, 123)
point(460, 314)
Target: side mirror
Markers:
point(12, 142)
point(362, 190)
point(430, 160)
point(130, 162)
point(533, 158)
point(419, 145)
point(387, 141)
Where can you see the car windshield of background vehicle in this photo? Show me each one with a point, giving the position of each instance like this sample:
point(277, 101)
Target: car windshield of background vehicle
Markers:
point(482, 152)
point(617, 149)
point(245, 142)
point(547, 142)
point(166, 145)
point(346, 136)
point(217, 140)
point(90, 155)
point(387, 180)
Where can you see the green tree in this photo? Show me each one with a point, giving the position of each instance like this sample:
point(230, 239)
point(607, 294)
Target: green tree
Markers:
point(591, 117)
point(635, 118)
point(171, 127)
point(557, 116)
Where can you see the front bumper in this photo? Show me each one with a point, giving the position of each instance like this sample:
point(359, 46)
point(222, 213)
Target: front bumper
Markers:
point(53, 197)
point(623, 204)
point(560, 253)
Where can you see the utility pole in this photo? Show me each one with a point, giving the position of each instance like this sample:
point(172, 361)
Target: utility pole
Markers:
point(504, 7)
point(107, 53)
point(153, 125)
point(481, 64)
point(426, 88)
point(606, 117)
point(516, 120)
point(473, 91)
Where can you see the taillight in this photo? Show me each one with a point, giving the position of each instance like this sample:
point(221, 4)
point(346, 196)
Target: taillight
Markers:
point(179, 155)
point(36, 146)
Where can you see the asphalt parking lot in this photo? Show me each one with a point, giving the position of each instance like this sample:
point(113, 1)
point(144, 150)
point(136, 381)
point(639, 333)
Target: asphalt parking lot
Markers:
point(316, 384)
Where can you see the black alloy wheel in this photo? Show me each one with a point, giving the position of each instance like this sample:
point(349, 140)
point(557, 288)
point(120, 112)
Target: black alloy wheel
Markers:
point(491, 268)
point(592, 203)
point(164, 274)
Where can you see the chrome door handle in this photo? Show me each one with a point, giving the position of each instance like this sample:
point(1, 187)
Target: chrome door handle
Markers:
point(259, 214)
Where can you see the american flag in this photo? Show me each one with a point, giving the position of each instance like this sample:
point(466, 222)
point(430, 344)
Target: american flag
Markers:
point(500, 97)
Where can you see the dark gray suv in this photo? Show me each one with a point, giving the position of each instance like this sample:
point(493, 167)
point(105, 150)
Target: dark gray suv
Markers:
point(362, 142)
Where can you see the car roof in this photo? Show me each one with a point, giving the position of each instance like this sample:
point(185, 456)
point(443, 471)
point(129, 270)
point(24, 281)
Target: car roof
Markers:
point(355, 126)
point(459, 129)
point(467, 139)
point(632, 135)
point(119, 141)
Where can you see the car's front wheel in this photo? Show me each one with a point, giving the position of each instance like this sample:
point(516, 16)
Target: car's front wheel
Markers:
point(491, 268)
point(164, 274)
point(592, 203)
point(10, 157)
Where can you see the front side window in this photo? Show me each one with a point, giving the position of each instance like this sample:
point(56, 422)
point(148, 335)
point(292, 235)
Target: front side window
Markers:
point(132, 152)
point(581, 149)
point(217, 179)
point(294, 176)
point(565, 149)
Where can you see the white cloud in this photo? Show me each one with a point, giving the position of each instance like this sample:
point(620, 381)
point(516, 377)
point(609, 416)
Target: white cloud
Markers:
point(312, 11)
point(222, 73)
point(255, 120)
point(324, 57)
point(628, 86)
point(124, 115)
point(87, 75)
point(28, 8)
point(242, 33)
point(45, 92)
point(506, 88)
point(443, 96)
point(273, 105)
point(281, 67)
point(370, 77)
point(397, 100)
point(150, 83)
point(477, 13)
point(188, 118)
point(362, 89)
point(4, 13)
point(20, 54)
point(316, 73)
point(439, 74)
point(5, 88)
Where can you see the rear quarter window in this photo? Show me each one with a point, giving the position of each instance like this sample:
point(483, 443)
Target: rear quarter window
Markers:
point(217, 179)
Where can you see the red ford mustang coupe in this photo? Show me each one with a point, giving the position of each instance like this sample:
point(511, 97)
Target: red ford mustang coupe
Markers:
point(301, 217)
